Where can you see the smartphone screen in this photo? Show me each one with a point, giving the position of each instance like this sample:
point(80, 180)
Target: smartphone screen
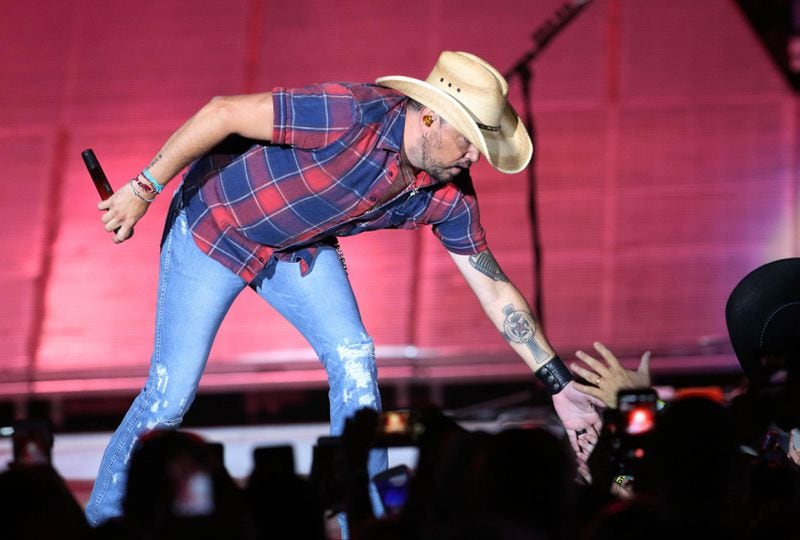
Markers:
point(325, 475)
point(638, 410)
point(97, 174)
point(392, 487)
point(32, 441)
point(194, 494)
point(398, 428)
point(636, 423)
point(274, 460)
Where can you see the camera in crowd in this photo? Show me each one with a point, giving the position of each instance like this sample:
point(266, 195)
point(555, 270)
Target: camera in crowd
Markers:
point(398, 428)
point(393, 429)
point(627, 436)
point(32, 442)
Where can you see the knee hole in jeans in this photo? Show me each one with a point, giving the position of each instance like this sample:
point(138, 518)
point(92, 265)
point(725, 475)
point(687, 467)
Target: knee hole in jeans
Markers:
point(355, 369)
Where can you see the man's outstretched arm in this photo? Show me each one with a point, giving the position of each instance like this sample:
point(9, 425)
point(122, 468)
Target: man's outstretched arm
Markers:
point(250, 116)
point(509, 312)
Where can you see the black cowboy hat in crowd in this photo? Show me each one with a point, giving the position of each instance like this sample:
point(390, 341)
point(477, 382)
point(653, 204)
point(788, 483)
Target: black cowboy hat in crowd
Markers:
point(763, 318)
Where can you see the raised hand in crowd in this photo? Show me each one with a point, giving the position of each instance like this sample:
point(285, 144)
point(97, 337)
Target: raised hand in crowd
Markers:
point(607, 377)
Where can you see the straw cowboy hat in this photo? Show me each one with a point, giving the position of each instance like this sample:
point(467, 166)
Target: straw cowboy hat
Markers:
point(472, 96)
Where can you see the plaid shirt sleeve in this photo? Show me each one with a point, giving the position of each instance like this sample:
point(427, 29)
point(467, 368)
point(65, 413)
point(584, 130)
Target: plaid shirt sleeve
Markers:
point(313, 116)
point(462, 233)
point(459, 227)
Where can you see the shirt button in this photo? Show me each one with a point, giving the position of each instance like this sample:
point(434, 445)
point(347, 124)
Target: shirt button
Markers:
point(373, 199)
point(261, 259)
point(391, 173)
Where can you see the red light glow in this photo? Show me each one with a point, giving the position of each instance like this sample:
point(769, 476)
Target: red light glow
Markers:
point(640, 420)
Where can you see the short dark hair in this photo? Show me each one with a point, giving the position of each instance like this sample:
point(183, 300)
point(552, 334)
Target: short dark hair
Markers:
point(414, 104)
point(417, 106)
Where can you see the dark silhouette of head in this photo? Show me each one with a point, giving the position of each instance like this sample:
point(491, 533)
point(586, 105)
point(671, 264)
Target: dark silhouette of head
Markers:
point(176, 485)
point(690, 468)
point(763, 319)
point(528, 480)
point(35, 502)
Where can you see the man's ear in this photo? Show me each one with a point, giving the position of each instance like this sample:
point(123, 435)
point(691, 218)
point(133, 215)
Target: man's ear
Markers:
point(428, 117)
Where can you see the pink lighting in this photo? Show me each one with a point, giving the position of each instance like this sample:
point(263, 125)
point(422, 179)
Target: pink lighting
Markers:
point(666, 159)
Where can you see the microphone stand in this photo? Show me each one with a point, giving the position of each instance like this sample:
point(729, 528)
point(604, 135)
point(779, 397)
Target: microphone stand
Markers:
point(521, 70)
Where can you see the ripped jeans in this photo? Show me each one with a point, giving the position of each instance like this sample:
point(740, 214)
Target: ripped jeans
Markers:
point(194, 294)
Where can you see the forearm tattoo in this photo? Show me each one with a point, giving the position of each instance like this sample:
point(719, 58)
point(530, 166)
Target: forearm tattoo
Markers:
point(485, 263)
point(518, 327)
point(155, 160)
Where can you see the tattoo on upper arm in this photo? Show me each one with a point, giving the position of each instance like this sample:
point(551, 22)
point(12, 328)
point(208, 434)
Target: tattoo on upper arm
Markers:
point(519, 327)
point(485, 263)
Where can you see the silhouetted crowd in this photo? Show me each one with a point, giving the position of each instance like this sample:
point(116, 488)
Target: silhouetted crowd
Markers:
point(690, 475)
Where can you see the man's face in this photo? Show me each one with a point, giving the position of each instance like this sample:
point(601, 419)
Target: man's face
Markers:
point(446, 153)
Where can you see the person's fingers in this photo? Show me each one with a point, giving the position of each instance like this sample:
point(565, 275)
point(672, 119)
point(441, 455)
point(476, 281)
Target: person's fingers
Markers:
point(587, 442)
point(111, 225)
point(621, 491)
point(592, 362)
point(586, 450)
point(644, 364)
point(573, 441)
point(585, 473)
point(588, 389)
point(594, 395)
point(607, 355)
point(591, 434)
point(585, 374)
point(598, 401)
point(123, 233)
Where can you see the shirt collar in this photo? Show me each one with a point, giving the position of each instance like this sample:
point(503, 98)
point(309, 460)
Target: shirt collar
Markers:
point(392, 136)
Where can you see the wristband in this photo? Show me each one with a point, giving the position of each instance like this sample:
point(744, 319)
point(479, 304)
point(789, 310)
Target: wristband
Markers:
point(554, 374)
point(145, 185)
point(139, 195)
point(158, 187)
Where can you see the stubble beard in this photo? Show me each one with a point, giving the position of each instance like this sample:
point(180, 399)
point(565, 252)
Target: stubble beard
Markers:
point(436, 170)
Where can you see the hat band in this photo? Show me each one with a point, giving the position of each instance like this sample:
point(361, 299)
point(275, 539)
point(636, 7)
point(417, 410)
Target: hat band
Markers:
point(487, 128)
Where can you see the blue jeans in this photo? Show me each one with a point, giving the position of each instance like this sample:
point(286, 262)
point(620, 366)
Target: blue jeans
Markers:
point(194, 294)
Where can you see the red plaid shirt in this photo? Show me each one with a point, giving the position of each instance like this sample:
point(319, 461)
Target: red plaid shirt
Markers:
point(334, 153)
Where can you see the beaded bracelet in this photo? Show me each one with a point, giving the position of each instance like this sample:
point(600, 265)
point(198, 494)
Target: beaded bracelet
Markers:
point(145, 186)
point(136, 192)
point(158, 187)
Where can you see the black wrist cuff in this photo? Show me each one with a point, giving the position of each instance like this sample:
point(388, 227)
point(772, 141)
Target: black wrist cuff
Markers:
point(554, 374)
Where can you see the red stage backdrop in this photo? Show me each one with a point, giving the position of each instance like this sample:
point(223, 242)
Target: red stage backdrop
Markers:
point(666, 163)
